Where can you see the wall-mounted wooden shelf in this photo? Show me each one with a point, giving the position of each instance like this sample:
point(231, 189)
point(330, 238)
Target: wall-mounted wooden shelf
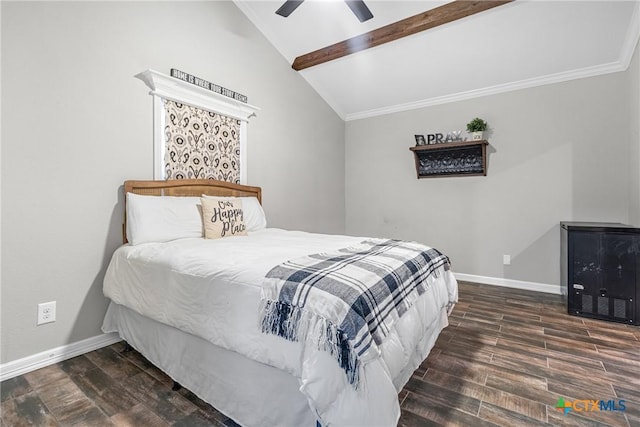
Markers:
point(468, 158)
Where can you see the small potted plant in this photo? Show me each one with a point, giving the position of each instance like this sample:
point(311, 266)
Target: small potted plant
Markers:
point(476, 128)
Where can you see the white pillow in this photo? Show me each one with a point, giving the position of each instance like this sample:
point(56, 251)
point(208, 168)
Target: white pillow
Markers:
point(254, 217)
point(162, 218)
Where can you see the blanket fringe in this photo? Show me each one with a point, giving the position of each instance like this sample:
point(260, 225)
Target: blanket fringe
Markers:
point(296, 324)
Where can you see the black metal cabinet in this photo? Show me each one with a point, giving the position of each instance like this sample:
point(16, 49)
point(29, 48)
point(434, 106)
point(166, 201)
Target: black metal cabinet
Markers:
point(601, 270)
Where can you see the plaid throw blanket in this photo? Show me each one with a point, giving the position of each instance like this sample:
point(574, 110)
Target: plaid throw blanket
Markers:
point(346, 302)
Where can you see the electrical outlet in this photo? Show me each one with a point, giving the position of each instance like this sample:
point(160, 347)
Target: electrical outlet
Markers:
point(506, 259)
point(46, 312)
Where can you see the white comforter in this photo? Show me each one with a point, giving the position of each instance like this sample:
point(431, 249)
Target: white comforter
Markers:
point(211, 288)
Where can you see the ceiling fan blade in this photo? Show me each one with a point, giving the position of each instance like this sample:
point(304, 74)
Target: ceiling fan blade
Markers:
point(288, 7)
point(359, 9)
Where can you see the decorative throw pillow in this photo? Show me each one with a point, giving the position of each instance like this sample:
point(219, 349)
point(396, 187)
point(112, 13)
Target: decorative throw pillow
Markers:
point(222, 217)
point(254, 217)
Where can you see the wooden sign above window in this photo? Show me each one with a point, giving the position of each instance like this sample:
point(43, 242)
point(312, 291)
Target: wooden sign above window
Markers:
point(207, 85)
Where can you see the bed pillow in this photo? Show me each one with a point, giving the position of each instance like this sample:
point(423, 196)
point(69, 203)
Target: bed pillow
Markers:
point(254, 217)
point(162, 218)
point(222, 217)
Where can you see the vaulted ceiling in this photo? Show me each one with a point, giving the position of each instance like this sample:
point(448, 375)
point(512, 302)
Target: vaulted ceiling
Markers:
point(520, 44)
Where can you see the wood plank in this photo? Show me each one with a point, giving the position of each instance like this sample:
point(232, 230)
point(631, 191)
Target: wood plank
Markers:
point(159, 375)
point(507, 379)
point(441, 396)
point(469, 351)
point(632, 408)
point(138, 416)
point(561, 317)
point(628, 374)
point(620, 354)
point(525, 348)
point(442, 415)
point(26, 410)
point(604, 324)
point(423, 21)
point(504, 417)
point(157, 396)
point(566, 377)
point(478, 325)
point(624, 338)
point(587, 356)
point(633, 421)
point(70, 405)
point(536, 394)
point(520, 317)
point(507, 310)
point(113, 363)
point(45, 375)
point(568, 344)
point(533, 340)
point(470, 338)
point(518, 383)
point(573, 419)
point(497, 397)
point(516, 350)
point(14, 387)
point(77, 365)
point(137, 359)
point(106, 392)
point(627, 392)
point(578, 337)
point(521, 329)
point(576, 367)
point(200, 419)
point(208, 411)
point(461, 368)
point(409, 419)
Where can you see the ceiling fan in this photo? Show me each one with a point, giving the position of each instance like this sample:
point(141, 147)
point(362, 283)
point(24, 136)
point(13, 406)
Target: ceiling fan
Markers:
point(358, 7)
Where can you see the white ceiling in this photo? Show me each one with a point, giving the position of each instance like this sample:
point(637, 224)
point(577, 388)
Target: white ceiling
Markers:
point(517, 45)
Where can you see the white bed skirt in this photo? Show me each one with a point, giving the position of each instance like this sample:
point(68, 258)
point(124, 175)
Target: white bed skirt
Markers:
point(249, 392)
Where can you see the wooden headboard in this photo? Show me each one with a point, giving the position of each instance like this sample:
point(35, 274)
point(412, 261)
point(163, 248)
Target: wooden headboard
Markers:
point(187, 187)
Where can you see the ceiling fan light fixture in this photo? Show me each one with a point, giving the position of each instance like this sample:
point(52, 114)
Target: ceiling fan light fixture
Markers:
point(358, 8)
point(288, 7)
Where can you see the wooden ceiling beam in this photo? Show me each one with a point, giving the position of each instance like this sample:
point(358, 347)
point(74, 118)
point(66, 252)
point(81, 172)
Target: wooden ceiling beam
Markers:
point(423, 21)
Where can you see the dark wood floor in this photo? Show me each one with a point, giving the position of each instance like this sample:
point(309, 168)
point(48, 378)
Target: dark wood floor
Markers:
point(506, 359)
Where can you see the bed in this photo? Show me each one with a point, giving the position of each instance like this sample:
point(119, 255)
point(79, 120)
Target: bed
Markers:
point(197, 308)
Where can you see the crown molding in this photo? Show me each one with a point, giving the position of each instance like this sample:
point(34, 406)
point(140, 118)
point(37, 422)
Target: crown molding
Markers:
point(597, 70)
point(631, 40)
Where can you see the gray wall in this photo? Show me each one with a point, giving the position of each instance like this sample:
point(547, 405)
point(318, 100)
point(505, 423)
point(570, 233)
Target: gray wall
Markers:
point(558, 152)
point(633, 74)
point(76, 124)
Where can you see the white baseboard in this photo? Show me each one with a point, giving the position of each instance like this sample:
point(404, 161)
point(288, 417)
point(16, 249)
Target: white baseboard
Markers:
point(510, 283)
point(46, 358)
point(49, 357)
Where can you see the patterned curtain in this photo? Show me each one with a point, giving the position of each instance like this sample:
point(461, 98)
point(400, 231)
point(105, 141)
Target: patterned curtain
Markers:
point(200, 144)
